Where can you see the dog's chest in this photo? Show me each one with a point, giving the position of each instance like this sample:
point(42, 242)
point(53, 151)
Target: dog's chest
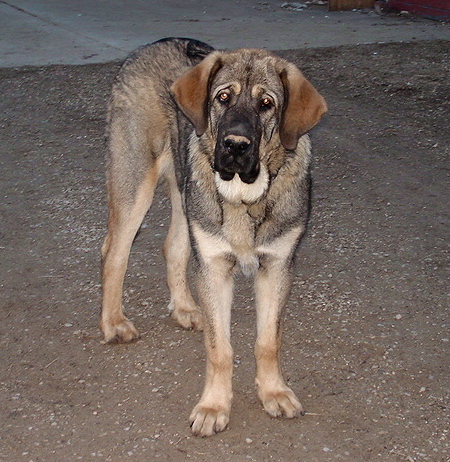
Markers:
point(239, 230)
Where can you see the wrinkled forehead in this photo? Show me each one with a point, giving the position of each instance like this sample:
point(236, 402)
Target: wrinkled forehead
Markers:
point(248, 70)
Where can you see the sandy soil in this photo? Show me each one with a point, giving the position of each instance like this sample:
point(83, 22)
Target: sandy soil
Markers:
point(366, 335)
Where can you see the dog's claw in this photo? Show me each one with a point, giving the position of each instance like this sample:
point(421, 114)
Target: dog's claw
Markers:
point(122, 332)
point(207, 421)
point(187, 318)
point(282, 403)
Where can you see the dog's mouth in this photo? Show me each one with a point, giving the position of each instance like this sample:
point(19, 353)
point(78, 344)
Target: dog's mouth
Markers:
point(230, 160)
point(246, 177)
point(236, 191)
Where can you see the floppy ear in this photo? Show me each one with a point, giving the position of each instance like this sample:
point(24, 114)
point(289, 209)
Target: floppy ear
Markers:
point(303, 106)
point(191, 91)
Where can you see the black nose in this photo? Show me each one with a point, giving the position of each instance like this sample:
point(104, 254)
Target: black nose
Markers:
point(236, 145)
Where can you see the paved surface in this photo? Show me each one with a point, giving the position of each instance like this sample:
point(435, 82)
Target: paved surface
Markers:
point(38, 32)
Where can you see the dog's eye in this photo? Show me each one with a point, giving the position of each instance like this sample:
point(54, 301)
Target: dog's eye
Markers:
point(223, 97)
point(266, 103)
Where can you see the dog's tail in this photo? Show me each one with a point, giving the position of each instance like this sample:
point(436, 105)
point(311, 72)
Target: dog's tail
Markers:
point(195, 49)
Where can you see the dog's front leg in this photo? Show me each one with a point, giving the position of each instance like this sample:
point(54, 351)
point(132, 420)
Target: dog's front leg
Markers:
point(272, 287)
point(215, 289)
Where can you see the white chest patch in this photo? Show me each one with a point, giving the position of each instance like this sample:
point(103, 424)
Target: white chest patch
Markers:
point(236, 191)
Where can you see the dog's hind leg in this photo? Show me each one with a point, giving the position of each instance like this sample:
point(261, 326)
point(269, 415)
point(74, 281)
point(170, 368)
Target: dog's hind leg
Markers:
point(176, 251)
point(125, 218)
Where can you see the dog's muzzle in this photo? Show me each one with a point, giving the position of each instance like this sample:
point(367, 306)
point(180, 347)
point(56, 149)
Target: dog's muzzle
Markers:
point(237, 151)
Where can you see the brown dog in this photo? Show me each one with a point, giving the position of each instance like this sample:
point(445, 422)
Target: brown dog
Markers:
point(227, 132)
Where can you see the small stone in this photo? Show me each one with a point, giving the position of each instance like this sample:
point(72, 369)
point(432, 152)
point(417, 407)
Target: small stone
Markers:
point(248, 440)
point(398, 317)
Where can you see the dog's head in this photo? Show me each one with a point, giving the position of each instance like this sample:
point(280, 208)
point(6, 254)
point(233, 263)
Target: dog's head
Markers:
point(247, 98)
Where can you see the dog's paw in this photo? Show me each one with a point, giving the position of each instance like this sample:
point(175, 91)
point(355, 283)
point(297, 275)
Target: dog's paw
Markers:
point(120, 332)
point(187, 317)
point(281, 403)
point(209, 420)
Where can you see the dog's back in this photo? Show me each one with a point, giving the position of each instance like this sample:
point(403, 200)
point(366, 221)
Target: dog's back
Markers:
point(164, 60)
point(141, 108)
point(147, 74)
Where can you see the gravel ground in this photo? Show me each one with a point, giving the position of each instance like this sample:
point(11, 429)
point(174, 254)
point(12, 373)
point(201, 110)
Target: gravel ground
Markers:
point(367, 331)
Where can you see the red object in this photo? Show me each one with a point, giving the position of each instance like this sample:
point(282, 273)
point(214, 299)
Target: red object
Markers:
point(434, 9)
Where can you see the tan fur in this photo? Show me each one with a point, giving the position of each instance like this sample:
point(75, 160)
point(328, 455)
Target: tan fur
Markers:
point(165, 118)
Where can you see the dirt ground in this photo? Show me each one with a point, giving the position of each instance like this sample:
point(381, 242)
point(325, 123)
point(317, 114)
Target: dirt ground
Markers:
point(367, 330)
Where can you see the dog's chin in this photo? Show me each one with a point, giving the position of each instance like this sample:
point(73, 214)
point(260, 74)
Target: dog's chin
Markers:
point(237, 190)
